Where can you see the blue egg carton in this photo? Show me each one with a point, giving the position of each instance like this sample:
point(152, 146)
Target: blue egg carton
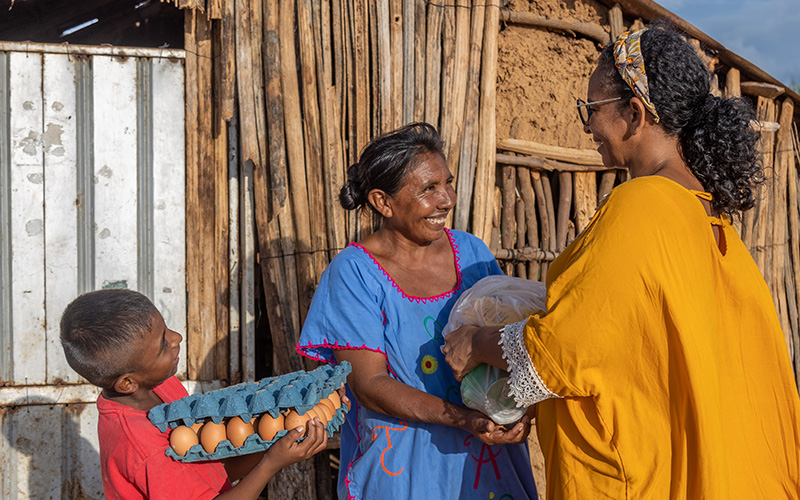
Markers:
point(299, 390)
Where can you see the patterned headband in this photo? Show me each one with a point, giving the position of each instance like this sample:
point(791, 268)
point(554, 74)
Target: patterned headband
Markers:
point(630, 63)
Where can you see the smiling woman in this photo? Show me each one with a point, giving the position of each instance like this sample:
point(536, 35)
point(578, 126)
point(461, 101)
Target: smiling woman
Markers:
point(380, 305)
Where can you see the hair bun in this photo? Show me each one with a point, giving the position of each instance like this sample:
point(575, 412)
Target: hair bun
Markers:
point(351, 196)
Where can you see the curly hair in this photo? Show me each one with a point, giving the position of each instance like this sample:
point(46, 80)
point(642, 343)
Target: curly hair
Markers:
point(386, 161)
point(716, 138)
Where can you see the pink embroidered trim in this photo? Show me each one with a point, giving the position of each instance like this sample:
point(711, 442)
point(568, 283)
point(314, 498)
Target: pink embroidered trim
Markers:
point(326, 345)
point(423, 300)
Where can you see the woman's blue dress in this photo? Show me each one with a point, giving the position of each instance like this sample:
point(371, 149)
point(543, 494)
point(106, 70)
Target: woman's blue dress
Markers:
point(358, 306)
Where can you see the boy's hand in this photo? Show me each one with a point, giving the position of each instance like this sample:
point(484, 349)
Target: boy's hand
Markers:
point(287, 451)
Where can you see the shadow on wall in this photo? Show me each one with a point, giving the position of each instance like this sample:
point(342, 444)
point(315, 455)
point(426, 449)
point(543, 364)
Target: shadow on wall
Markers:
point(50, 451)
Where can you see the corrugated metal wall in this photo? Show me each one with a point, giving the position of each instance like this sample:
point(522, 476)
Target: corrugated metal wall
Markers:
point(92, 188)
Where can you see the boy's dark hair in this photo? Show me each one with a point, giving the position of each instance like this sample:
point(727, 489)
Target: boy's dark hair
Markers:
point(98, 330)
point(386, 161)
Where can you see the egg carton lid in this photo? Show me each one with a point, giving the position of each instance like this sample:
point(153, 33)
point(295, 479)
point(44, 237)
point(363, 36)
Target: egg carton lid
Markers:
point(300, 390)
point(252, 444)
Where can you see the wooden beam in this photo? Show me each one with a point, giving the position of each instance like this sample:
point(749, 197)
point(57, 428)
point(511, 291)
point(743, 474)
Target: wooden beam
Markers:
point(526, 254)
point(591, 30)
point(569, 155)
point(536, 163)
point(762, 89)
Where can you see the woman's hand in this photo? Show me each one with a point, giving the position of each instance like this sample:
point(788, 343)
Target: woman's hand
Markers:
point(469, 346)
point(495, 434)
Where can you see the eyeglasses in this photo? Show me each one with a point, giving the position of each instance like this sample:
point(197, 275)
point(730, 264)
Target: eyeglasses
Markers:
point(585, 112)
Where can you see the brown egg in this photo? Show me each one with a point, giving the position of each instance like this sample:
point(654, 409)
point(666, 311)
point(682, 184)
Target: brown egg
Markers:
point(196, 427)
point(210, 436)
point(268, 427)
point(329, 405)
point(182, 438)
point(324, 413)
point(238, 430)
point(335, 399)
point(294, 420)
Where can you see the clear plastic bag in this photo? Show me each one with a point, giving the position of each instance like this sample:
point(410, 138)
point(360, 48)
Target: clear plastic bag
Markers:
point(494, 301)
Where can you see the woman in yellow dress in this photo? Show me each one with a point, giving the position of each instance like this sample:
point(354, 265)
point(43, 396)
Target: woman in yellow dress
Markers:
point(659, 369)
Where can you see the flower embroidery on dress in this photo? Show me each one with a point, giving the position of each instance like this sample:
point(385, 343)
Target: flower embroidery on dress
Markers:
point(526, 386)
point(423, 300)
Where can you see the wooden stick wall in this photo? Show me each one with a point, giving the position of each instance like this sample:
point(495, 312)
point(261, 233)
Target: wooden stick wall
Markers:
point(313, 82)
point(305, 84)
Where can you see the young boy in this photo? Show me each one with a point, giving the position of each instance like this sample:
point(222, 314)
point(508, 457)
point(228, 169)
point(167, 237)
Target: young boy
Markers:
point(118, 341)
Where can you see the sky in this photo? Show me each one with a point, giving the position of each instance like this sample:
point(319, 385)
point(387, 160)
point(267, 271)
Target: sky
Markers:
point(765, 32)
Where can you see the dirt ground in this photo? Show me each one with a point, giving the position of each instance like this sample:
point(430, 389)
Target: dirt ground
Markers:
point(541, 73)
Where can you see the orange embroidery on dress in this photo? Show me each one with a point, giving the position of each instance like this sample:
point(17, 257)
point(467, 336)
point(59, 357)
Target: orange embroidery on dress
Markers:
point(389, 443)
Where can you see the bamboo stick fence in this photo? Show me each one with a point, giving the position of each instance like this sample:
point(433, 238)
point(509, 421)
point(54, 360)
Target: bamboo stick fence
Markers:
point(299, 87)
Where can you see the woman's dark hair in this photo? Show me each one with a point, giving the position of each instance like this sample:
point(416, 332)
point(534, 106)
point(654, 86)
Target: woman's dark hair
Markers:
point(386, 161)
point(717, 140)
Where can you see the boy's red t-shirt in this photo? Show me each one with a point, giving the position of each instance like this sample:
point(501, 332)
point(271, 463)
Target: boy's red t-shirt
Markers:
point(133, 461)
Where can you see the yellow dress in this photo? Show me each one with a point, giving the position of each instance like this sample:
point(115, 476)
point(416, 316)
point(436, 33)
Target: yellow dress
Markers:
point(661, 367)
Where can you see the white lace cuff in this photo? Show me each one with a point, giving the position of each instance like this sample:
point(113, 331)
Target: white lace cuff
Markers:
point(526, 386)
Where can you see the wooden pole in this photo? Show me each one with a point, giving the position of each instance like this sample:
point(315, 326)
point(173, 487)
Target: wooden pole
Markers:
point(195, 328)
point(507, 225)
point(766, 112)
point(332, 173)
point(409, 26)
point(396, 32)
point(794, 221)
point(222, 283)
point(615, 21)
point(215, 342)
point(281, 204)
point(545, 235)
point(531, 223)
point(569, 155)
point(351, 135)
point(526, 254)
point(420, 27)
point(338, 36)
point(295, 155)
point(521, 268)
point(459, 92)
point(591, 30)
point(551, 214)
point(783, 157)
point(228, 56)
point(467, 156)
point(313, 138)
point(448, 70)
point(564, 206)
point(375, 67)
point(433, 62)
point(487, 141)
point(384, 64)
point(361, 64)
point(547, 165)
